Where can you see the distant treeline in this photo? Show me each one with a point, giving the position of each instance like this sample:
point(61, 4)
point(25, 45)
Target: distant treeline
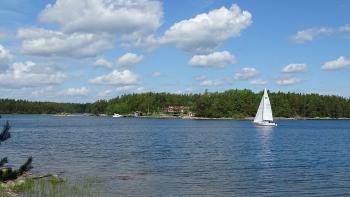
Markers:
point(11, 106)
point(231, 103)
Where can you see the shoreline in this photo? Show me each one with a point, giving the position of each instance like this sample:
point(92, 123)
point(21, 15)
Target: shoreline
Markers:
point(186, 117)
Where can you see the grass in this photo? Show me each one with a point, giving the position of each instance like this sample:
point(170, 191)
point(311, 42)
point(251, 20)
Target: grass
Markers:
point(54, 187)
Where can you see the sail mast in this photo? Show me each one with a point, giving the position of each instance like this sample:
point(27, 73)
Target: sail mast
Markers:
point(263, 98)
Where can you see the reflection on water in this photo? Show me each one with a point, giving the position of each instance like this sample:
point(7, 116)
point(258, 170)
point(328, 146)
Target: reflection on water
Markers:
point(151, 157)
point(265, 137)
point(265, 156)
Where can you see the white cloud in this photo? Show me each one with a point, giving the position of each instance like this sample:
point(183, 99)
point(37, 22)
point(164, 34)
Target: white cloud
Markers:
point(39, 92)
point(337, 64)
point(117, 78)
point(5, 56)
point(113, 16)
point(37, 33)
point(30, 74)
point(245, 73)
point(129, 59)
point(103, 62)
point(288, 81)
point(310, 34)
point(43, 42)
point(82, 91)
point(215, 60)
point(313, 33)
point(88, 27)
point(258, 82)
point(156, 74)
point(215, 82)
point(344, 28)
point(294, 68)
point(205, 32)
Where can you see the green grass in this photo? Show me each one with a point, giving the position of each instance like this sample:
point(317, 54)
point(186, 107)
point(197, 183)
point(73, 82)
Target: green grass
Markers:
point(54, 187)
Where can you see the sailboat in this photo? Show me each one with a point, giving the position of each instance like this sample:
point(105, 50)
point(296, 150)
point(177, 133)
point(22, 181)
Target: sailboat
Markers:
point(117, 115)
point(264, 116)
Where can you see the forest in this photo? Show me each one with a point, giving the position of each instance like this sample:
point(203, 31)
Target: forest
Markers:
point(230, 104)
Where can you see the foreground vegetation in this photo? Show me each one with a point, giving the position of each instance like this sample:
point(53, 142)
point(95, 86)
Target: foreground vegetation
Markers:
point(52, 186)
point(230, 104)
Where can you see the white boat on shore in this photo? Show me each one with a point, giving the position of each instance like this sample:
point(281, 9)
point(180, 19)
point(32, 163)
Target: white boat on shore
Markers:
point(117, 116)
point(264, 116)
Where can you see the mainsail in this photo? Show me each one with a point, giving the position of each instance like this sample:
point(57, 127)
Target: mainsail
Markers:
point(264, 112)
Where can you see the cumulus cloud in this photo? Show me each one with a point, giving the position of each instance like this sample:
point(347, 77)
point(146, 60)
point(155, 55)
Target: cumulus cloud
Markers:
point(294, 68)
point(5, 56)
point(129, 59)
point(116, 78)
point(341, 62)
point(258, 82)
point(113, 16)
point(30, 74)
point(214, 60)
point(206, 31)
point(82, 91)
point(88, 27)
point(103, 63)
point(245, 73)
point(43, 42)
point(288, 81)
point(310, 34)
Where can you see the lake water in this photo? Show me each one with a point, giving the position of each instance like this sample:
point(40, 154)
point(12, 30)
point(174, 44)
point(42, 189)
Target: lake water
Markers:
point(173, 157)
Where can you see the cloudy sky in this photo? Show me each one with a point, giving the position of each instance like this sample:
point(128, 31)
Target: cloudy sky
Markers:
point(84, 50)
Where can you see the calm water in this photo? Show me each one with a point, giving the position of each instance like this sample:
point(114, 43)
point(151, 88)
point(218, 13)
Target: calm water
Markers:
point(150, 157)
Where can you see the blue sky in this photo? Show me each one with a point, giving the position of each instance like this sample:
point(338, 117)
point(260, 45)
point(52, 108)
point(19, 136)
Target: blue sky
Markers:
point(84, 50)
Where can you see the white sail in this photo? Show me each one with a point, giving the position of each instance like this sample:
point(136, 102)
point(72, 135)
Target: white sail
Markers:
point(267, 111)
point(264, 114)
point(259, 114)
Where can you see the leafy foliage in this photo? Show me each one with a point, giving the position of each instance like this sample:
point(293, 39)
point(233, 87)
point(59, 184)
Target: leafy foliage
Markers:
point(232, 103)
point(11, 106)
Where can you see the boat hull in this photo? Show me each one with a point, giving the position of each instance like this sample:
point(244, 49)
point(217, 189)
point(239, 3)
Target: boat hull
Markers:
point(117, 116)
point(267, 124)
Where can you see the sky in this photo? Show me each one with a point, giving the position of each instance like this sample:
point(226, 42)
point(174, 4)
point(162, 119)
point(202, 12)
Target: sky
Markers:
point(86, 50)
